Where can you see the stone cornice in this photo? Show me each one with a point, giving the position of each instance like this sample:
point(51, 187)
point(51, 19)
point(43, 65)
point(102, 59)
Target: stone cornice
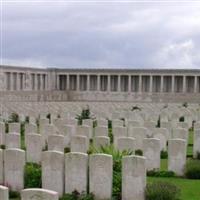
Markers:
point(105, 70)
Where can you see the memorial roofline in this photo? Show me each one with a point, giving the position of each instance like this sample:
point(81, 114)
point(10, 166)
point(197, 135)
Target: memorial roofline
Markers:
point(99, 69)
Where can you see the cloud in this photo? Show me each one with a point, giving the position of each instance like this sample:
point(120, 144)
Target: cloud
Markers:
point(178, 55)
point(128, 35)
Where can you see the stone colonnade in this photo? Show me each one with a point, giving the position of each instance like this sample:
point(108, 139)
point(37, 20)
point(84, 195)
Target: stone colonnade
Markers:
point(25, 81)
point(100, 80)
point(129, 83)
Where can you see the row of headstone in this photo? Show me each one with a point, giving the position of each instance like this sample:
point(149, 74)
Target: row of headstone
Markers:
point(65, 174)
point(100, 174)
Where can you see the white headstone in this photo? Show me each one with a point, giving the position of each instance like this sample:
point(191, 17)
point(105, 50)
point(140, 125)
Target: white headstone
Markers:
point(79, 144)
point(177, 155)
point(14, 162)
point(100, 175)
point(33, 147)
point(101, 131)
point(125, 143)
point(139, 133)
point(3, 193)
point(76, 172)
point(13, 140)
point(38, 194)
point(53, 171)
point(1, 167)
point(101, 141)
point(56, 143)
point(14, 128)
point(133, 178)
point(151, 150)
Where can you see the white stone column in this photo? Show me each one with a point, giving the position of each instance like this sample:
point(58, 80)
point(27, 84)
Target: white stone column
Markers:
point(108, 88)
point(46, 81)
point(195, 84)
point(41, 81)
point(6, 81)
point(67, 86)
point(161, 83)
point(129, 83)
point(172, 89)
point(140, 84)
point(11, 81)
point(23, 80)
point(17, 82)
point(151, 84)
point(77, 82)
point(184, 84)
point(98, 82)
point(119, 83)
point(58, 82)
point(88, 82)
point(36, 82)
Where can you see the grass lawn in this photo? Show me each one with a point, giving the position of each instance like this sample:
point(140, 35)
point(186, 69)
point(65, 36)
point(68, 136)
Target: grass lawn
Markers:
point(190, 189)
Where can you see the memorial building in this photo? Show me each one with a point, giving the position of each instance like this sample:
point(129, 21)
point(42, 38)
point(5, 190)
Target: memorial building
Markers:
point(97, 84)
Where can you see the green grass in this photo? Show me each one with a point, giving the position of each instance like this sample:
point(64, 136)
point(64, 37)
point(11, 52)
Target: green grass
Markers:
point(190, 144)
point(190, 138)
point(190, 189)
point(189, 151)
point(163, 165)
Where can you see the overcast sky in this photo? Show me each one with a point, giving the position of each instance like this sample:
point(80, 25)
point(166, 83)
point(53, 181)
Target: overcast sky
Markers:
point(108, 35)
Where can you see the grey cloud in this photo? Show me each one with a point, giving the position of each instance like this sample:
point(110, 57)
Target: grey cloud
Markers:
point(101, 35)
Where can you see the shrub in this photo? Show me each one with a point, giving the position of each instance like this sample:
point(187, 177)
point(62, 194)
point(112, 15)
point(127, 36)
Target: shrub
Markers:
point(85, 114)
point(163, 154)
point(139, 152)
point(162, 191)
point(165, 106)
point(45, 148)
point(158, 123)
point(27, 119)
point(181, 119)
point(94, 123)
point(48, 116)
point(37, 122)
point(109, 124)
point(14, 117)
point(14, 194)
point(156, 173)
point(198, 155)
point(32, 176)
point(135, 108)
point(192, 169)
point(6, 127)
point(185, 104)
point(66, 150)
point(22, 132)
point(77, 196)
point(110, 135)
point(2, 146)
